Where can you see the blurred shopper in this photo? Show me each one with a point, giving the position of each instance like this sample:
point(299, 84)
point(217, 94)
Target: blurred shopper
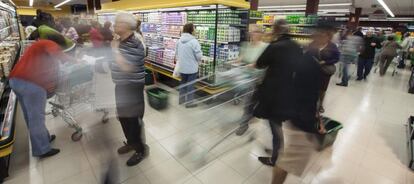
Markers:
point(68, 30)
point(44, 32)
point(366, 56)
point(349, 53)
point(107, 34)
point(298, 136)
point(34, 79)
point(128, 74)
point(406, 44)
point(327, 55)
point(389, 52)
point(249, 54)
point(380, 37)
point(359, 32)
point(276, 92)
point(43, 18)
point(95, 35)
point(188, 54)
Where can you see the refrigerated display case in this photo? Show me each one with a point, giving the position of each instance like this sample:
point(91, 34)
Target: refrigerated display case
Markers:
point(9, 54)
point(220, 29)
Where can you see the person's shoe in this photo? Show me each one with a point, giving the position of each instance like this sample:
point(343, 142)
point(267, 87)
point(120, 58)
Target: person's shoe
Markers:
point(52, 138)
point(135, 159)
point(190, 105)
point(268, 150)
point(50, 153)
point(342, 84)
point(242, 129)
point(125, 149)
point(359, 79)
point(266, 161)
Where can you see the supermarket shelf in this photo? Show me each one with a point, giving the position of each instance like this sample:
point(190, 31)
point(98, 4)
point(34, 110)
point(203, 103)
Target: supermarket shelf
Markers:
point(303, 25)
point(212, 41)
point(159, 65)
point(227, 25)
point(256, 18)
point(300, 34)
point(203, 86)
point(163, 24)
point(171, 36)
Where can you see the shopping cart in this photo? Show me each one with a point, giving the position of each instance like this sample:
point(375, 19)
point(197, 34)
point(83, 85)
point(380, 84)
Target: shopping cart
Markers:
point(222, 110)
point(75, 94)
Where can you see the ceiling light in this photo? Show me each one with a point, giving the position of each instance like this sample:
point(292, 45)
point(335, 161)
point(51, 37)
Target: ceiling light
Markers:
point(386, 7)
point(335, 4)
point(12, 2)
point(31, 2)
point(62, 3)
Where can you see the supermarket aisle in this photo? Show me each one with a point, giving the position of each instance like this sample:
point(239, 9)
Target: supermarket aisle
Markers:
point(370, 149)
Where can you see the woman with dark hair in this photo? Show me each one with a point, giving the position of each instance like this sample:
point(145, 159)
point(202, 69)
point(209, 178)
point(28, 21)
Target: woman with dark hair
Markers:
point(68, 30)
point(389, 51)
point(33, 79)
point(326, 53)
point(107, 34)
point(189, 55)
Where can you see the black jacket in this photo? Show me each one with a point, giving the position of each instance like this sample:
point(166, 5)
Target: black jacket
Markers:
point(276, 93)
point(368, 51)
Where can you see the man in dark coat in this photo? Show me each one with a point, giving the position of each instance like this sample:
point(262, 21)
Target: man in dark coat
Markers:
point(276, 93)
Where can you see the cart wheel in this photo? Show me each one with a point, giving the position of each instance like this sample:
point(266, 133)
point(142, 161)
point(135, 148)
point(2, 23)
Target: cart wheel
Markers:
point(76, 136)
point(55, 113)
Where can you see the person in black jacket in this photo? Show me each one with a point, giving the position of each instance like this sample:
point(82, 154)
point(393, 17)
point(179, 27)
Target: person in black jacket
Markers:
point(289, 91)
point(276, 93)
point(367, 55)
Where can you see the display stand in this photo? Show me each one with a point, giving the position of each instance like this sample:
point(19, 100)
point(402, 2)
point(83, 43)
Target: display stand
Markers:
point(10, 50)
point(220, 28)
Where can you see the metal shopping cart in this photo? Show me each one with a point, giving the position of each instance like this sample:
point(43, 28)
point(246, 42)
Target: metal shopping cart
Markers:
point(223, 110)
point(75, 94)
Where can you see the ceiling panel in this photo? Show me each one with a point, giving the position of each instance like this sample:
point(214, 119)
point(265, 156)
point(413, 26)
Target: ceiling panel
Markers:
point(399, 7)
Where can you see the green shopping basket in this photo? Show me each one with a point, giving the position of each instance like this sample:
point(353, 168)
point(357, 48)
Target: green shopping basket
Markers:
point(332, 128)
point(157, 98)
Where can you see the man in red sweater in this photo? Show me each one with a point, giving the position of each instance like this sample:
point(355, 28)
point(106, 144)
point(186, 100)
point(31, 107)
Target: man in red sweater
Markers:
point(33, 79)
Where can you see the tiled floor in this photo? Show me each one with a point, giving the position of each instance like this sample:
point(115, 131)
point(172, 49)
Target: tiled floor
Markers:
point(370, 149)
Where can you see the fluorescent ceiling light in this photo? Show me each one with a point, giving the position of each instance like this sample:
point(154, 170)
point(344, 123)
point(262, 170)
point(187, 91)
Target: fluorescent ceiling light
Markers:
point(335, 4)
point(12, 2)
point(62, 3)
point(31, 2)
point(386, 7)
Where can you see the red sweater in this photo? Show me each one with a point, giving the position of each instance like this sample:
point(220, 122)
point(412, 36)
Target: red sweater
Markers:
point(96, 37)
point(39, 64)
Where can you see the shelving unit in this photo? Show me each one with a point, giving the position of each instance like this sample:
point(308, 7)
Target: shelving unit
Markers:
point(220, 29)
point(9, 54)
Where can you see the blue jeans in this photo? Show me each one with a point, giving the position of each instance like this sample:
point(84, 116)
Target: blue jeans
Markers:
point(187, 92)
point(345, 73)
point(364, 67)
point(32, 99)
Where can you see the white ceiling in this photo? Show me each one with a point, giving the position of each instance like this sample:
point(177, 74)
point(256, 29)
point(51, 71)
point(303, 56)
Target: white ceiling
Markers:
point(398, 7)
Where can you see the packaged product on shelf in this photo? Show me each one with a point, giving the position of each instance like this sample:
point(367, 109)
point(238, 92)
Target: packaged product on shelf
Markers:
point(179, 18)
point(154, 17)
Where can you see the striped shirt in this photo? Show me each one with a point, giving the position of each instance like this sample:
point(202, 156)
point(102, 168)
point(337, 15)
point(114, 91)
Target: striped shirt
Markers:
point(132, 50)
